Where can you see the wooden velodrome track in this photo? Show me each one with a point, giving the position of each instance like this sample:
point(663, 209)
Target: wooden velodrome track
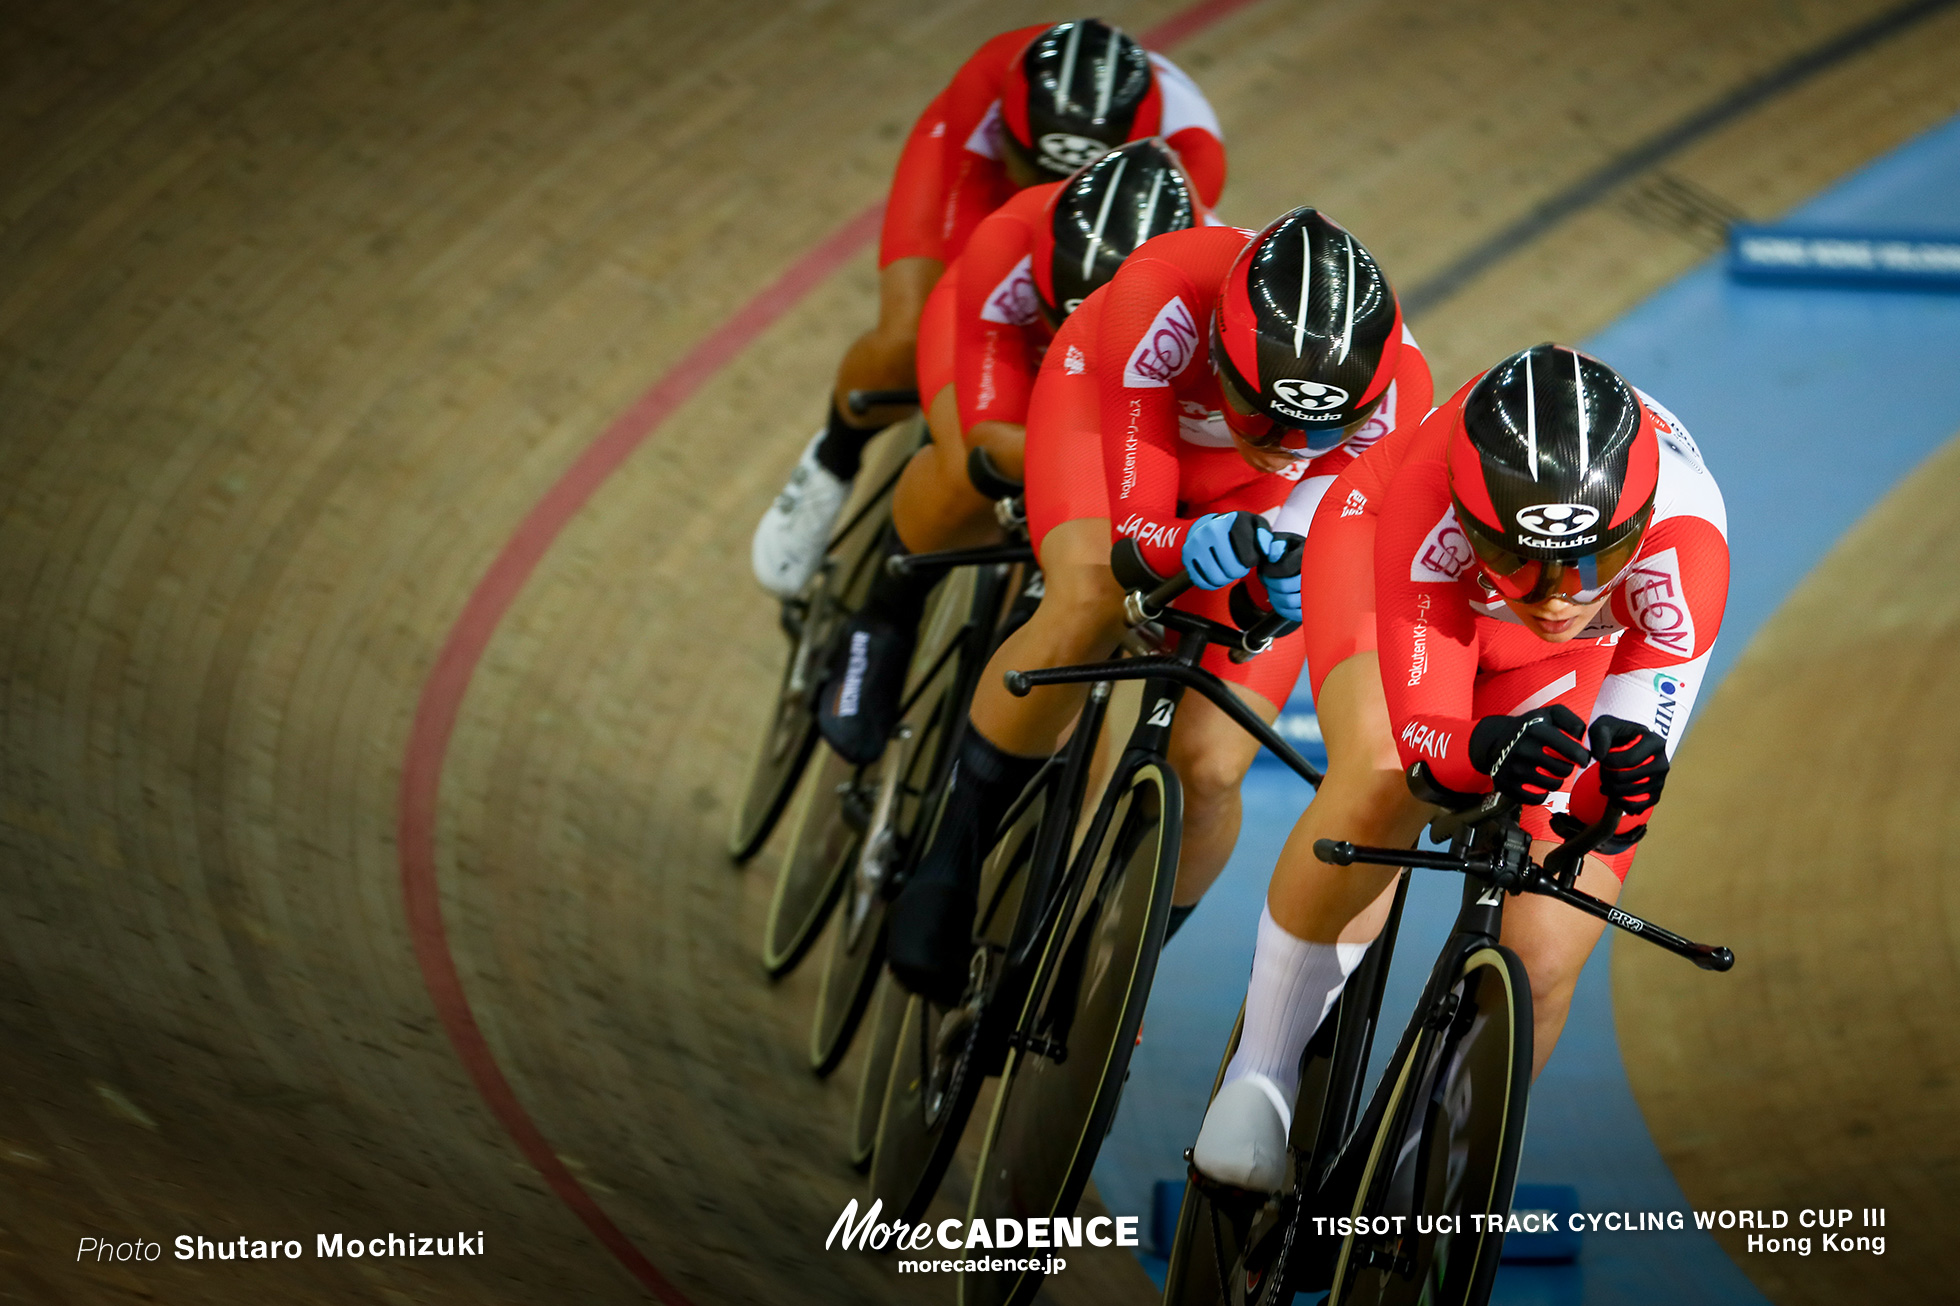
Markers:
point(303, 309)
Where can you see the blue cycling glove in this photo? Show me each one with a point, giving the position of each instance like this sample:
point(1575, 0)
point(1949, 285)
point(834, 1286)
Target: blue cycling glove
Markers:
point(1222, 547)
point(1281, 576)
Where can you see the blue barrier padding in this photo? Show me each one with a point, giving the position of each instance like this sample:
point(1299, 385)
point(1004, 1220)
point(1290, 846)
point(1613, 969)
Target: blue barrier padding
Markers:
point(1165, 1199)
point(1540, 1203)
point(1862, 258)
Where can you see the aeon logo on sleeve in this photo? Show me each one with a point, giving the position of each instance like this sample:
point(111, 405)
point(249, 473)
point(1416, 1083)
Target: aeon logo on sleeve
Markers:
point(1166, 349)
point(1445, 553)
point(1658, 604)
point(1557, 520)
point(1307, 400)
point(985, 140)
point(1071, 152)
point(1012, 302)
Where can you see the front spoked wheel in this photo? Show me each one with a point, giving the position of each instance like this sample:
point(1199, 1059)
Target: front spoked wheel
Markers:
point(887, 1015)
point(1073, 1041)
point(791, 732)
point(823, 845)
point(1447, 1148)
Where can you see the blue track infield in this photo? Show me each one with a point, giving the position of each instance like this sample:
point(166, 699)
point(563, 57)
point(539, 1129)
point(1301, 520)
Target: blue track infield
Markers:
point(1809, 404)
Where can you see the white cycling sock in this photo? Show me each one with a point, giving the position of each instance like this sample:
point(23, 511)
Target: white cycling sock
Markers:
point(1294, 985)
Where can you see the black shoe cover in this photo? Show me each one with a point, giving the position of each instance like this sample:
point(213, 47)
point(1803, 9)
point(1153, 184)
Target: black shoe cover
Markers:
point(931, 934)
point(859, 706)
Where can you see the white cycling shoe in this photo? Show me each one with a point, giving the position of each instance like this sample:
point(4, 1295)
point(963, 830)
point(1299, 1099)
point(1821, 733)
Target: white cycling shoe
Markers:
point(790, 540)
point(1243, 1141)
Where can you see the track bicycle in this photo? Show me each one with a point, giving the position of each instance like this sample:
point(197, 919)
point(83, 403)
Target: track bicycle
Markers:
point(811, 621)
point(1395, 1207)
point(852, 841)
point(1066, 944)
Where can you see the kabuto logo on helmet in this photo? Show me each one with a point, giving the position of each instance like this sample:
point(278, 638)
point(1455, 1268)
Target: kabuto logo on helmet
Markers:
point(1311, 401)
point(1064, 152)
point(1558, 520)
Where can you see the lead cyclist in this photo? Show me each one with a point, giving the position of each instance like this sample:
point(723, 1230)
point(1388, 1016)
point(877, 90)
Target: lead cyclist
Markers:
point(1522, 593)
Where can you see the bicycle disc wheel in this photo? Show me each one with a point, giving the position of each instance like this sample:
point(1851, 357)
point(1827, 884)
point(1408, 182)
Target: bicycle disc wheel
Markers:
point(1447, 1147)
point(941, 1057)
point(1059, 1089)
point(823, 844)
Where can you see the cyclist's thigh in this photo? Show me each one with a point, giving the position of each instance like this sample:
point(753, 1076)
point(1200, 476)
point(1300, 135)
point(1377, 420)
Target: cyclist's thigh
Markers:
point(1077, 585)
point(935, 349)
point(1550, 938)
point(1337, 569)
point(1209, 750)
point(903, 289)
point(1270, 675)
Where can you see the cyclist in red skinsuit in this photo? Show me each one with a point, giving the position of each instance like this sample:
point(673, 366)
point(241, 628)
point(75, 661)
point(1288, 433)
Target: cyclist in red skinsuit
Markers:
point(1031, 105)
point(1469, 682)
point(1028, 266)
point(1127, 443)
point(970, 151)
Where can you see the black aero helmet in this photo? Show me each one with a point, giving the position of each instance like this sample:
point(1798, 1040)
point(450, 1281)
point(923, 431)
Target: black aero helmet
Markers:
point(1100, 216)
point(1553, 468)
point(1077, 90)
point(1306, 336)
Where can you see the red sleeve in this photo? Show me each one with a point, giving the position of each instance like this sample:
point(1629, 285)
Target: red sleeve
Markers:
point(1203, 156)
point(1150, 334)
point(1426, 632)
point(976, 183)
point(1672, 599)
point(997, 318)
point(976, 86)
point(914, 207)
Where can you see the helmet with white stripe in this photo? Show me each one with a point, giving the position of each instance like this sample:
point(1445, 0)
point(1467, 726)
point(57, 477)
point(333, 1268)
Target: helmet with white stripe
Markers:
point(1078, 90)
point(1100, 216)
point(1306, 336)
point(1553, 467)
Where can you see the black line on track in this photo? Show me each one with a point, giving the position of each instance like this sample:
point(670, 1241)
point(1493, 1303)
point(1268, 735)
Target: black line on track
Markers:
point(1595, 185)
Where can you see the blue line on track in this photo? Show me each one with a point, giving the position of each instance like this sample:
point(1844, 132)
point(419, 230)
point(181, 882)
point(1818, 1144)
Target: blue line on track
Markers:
point(1810, 404)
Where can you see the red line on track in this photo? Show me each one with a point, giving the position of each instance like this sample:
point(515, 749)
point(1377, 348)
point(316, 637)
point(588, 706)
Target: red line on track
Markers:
point(449, 680)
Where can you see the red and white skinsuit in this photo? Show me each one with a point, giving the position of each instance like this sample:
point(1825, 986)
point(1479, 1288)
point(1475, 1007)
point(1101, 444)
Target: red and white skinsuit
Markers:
point(1125, 423)
point(950, 175)
point(982, 331)
point(1452, 653)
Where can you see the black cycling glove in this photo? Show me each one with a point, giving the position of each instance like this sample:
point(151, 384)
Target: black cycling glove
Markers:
point(1529, 756)
point(1632, 763)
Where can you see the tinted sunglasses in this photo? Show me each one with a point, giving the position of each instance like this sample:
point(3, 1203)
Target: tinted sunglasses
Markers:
point(1534, 580)
point(1257, 429)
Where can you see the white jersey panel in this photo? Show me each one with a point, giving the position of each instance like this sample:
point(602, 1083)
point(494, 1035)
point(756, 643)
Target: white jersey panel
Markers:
point(1184, 104)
